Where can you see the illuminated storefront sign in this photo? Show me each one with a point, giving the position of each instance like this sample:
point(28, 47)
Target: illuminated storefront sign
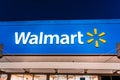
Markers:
point(60, 37)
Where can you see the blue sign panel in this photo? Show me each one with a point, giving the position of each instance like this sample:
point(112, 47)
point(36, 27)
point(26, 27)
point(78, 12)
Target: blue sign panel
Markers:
point(59, 37)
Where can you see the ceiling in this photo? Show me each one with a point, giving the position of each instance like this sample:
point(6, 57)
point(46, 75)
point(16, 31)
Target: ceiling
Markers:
point(59, 59)
point(104, 59)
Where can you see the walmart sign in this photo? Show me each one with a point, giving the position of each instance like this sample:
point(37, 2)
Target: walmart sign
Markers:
point(42, 38)
point(59, 37)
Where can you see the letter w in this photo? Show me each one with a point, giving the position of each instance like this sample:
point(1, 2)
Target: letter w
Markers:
point(21, 37)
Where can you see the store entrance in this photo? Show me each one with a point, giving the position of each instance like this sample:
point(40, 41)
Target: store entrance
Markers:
point(52, 77)
point(55, 77)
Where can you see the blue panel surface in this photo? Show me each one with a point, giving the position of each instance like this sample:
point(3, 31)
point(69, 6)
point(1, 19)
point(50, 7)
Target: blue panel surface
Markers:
point(62, 37)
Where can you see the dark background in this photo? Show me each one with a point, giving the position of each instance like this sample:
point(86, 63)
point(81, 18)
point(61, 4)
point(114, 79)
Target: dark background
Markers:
point(12, 10)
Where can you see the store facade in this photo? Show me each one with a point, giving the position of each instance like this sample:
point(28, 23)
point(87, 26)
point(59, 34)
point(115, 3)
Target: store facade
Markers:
point(60, 50)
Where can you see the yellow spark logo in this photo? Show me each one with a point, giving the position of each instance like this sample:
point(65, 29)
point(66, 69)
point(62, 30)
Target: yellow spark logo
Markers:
point(98, 35)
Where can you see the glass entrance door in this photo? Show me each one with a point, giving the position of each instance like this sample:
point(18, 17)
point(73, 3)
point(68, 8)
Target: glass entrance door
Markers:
point(22, 77)
point(28, 77)
point(82, 77)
